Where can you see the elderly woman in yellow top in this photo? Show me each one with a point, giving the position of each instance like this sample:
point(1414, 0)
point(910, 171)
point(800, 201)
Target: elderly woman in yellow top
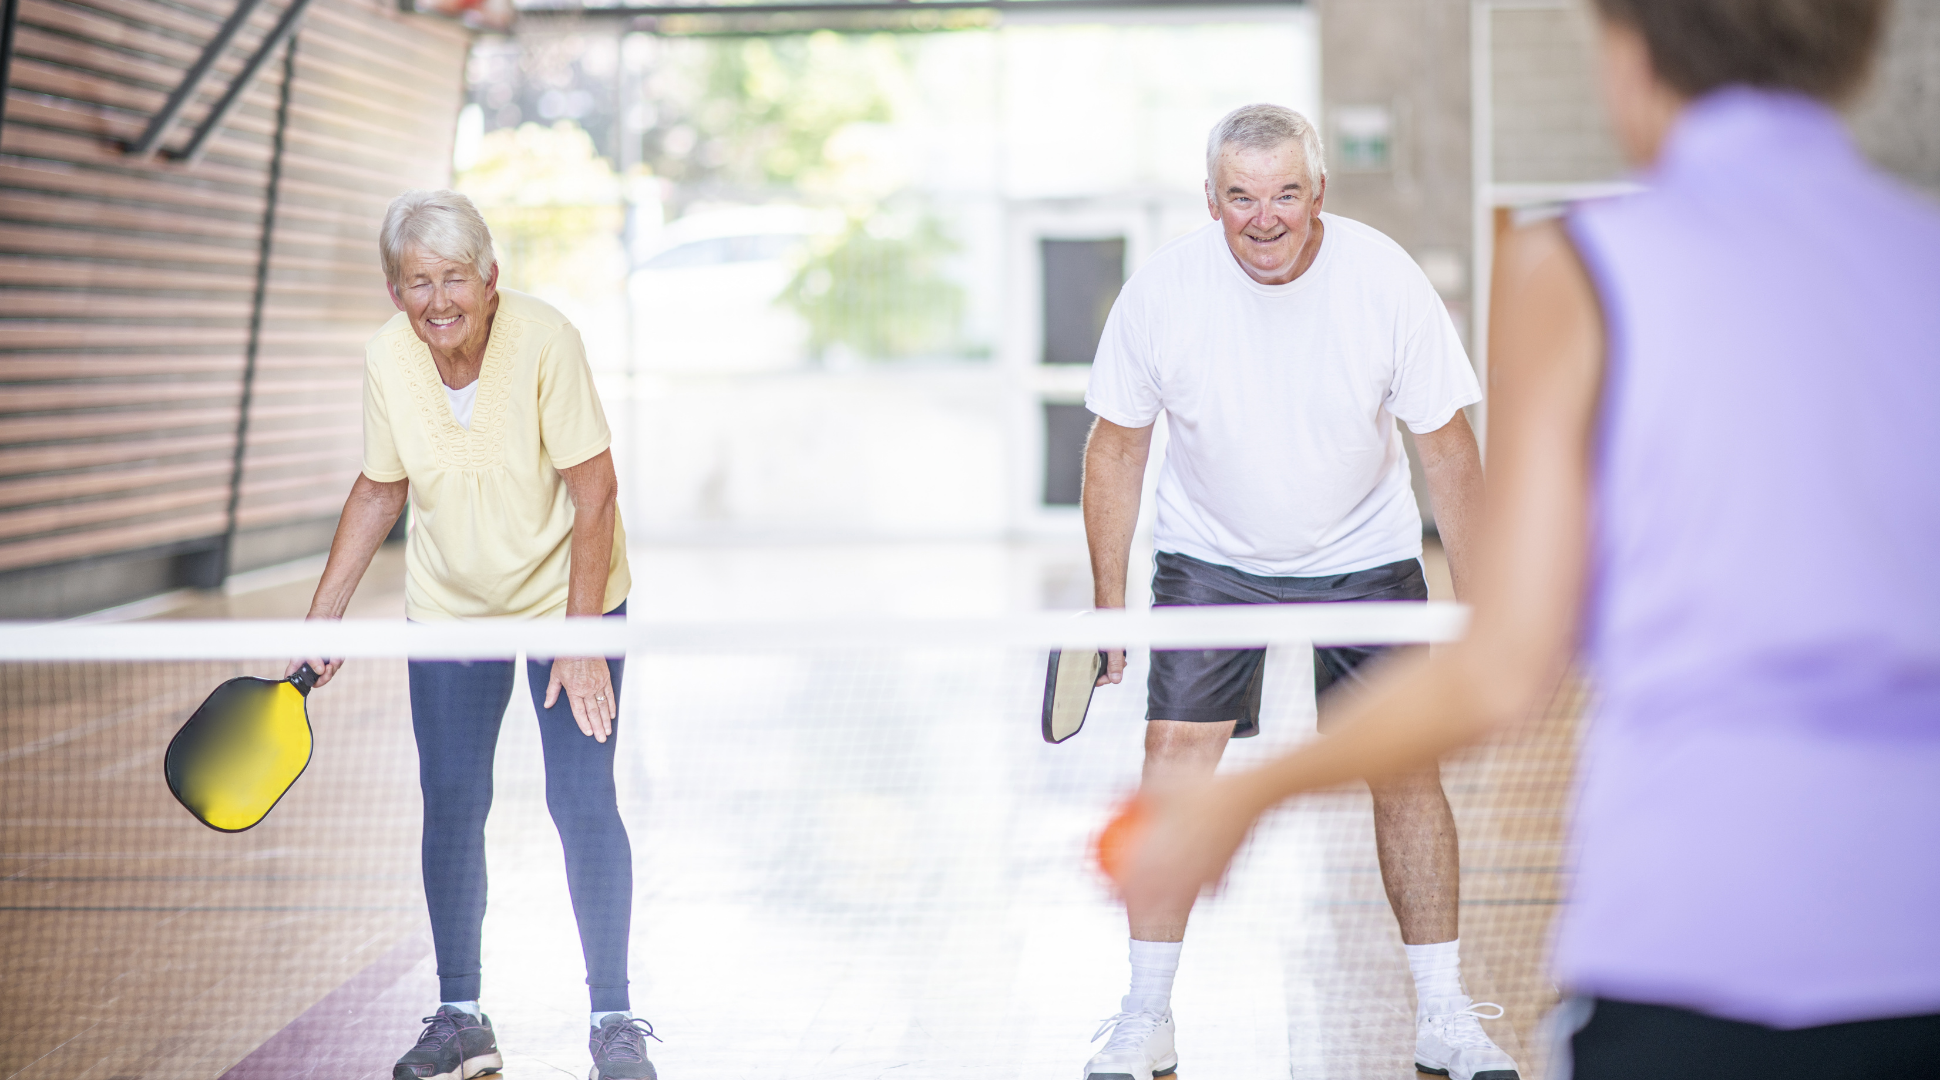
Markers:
point(480, 409)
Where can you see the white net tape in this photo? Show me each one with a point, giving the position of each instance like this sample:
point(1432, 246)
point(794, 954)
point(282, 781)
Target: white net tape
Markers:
point(1197, 627)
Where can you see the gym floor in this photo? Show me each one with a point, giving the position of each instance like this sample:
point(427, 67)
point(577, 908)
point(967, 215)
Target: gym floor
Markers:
point(847, 866)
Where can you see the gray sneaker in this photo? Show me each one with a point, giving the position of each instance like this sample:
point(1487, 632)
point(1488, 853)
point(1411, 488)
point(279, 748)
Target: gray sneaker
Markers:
point(455, 1046)
point(619, 1047)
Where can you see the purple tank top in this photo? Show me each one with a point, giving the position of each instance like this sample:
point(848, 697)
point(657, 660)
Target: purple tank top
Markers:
point(1757, 830)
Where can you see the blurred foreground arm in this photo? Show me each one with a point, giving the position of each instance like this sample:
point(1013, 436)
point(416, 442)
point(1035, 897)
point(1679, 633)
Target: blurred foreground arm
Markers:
point(369, 513)
point(1546, 360)
point(1114, 477)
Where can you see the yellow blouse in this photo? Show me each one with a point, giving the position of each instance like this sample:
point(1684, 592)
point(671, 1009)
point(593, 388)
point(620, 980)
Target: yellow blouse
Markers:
point(491, 522)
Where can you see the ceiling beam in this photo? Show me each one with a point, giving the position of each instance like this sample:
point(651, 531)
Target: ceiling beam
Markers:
point(861, 15)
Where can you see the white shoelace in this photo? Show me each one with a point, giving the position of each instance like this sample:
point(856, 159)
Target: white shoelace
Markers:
point(1462, 1029)
point(1133, 1029)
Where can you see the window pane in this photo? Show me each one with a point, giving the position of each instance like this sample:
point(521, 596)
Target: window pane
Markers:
point(1081, 279)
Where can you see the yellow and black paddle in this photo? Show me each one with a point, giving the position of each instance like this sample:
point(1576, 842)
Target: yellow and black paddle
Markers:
point(242, 750)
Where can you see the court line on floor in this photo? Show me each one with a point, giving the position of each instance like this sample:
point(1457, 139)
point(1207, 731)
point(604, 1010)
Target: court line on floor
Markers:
point(345, 1032)
point(191, 909)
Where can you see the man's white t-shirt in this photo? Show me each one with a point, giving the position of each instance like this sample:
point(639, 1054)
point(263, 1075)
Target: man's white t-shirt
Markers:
point(1281, 399)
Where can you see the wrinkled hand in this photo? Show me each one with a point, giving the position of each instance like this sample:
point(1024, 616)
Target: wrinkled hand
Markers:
point(589, 690)
point(325, 669)
point(1114, 667)
point(1192, 831)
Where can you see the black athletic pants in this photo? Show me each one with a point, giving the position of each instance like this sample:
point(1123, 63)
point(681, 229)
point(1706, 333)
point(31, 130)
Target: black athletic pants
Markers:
point(1627, 1041)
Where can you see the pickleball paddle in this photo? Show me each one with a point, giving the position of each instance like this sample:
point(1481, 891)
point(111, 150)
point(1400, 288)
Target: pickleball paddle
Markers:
point(241, 750)
point(1068, 684)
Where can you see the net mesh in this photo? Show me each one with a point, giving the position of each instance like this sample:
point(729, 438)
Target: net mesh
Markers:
point(850, 861)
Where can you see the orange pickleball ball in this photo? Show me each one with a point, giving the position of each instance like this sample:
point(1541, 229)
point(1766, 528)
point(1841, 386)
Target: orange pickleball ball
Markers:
point(1118, 842)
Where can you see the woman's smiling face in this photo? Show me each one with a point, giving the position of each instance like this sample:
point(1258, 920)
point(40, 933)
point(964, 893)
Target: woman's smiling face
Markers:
point(449, 305)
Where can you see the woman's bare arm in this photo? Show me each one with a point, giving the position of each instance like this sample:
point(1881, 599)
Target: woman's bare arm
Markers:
point(368, 515)
point(586, 680)
point(1546, 370)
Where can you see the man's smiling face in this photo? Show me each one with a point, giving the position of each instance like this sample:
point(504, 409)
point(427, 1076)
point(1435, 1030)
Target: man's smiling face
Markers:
point(1269, 204)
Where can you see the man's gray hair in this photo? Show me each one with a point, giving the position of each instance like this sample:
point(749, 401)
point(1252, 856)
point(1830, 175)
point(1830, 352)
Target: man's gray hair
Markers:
point(443, 223)
point(1266, 127)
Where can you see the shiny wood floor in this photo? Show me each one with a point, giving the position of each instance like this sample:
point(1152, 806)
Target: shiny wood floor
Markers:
point(847, 866)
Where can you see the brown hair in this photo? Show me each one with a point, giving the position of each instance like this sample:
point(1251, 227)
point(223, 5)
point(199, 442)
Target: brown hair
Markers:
point(1819, 47)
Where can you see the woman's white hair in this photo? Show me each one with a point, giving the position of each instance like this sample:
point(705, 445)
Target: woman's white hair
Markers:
point(1266, 127)
point(444, 223)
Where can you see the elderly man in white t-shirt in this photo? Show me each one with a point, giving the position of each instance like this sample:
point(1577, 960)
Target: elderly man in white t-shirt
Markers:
point(1283, 344)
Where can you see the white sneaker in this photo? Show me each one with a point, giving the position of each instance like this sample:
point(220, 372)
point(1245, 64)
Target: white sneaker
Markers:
point(1140, 1047)
point(1449, 1041)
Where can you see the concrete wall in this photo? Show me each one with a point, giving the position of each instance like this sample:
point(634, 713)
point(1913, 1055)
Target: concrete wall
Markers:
point(1411, 57)
point(1549, 124)
point(1897, 120)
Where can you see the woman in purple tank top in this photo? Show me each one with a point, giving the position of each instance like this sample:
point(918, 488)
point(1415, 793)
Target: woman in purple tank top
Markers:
point(1712, 478)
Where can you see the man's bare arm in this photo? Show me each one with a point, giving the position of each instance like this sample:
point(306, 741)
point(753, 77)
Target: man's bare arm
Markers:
point(1453, 467)
point(1114, 477)
point(369, 513)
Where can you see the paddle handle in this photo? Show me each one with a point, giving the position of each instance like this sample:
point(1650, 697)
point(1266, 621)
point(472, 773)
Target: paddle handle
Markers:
point(305, 679)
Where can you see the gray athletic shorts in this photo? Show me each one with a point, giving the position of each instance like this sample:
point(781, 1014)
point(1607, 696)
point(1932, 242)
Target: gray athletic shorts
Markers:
point(1209, 686)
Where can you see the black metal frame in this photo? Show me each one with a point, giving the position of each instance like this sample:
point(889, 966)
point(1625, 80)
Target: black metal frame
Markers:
point(219, 115)
point(257, 300)
point(9, 18)
point(158, 128)
point(192, 80)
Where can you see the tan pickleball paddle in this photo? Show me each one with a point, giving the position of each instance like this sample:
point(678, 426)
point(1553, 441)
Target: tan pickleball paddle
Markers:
point(1068, 684)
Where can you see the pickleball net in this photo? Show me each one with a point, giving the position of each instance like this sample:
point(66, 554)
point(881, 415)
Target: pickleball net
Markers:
point(853, 853)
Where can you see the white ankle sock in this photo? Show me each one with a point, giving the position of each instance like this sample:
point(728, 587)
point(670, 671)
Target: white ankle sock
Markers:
point(599, 1016)
point(465, 1006)
point(1437, 969)
point(1154, 963)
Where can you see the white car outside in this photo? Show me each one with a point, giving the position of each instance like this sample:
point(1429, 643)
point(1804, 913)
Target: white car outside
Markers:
point(705, 297)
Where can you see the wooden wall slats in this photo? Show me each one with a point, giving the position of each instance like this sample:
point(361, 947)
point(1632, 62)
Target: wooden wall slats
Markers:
point(126, 285)
point(45, 489)
point(231, 226)
point(93, 57)
point(25, 144)
point(239, 141)
point(33, 460)
point(75, 304)
point(188, 22)
point(69, 513)
point(92, 425)
point(32, 74)
point(22, 371)
point(122, 33)
point(126, 189)
point(104, 395)
point(93, 543)
point(159, 251)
